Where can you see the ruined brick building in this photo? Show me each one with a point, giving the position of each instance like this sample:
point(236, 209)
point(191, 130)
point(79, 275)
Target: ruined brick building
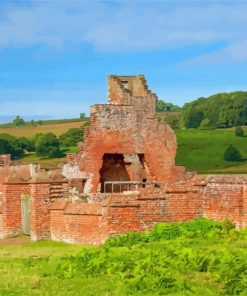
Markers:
point(122, 178)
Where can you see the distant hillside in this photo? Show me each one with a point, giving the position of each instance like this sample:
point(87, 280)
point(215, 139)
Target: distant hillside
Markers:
point(222, 110)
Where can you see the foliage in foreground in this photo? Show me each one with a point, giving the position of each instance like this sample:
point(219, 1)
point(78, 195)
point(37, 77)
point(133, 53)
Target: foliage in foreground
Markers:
point(199, 257)
point(168, 259)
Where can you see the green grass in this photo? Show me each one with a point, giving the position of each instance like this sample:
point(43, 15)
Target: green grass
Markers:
point(46, 162)
point(203, 151)
point(199, 257)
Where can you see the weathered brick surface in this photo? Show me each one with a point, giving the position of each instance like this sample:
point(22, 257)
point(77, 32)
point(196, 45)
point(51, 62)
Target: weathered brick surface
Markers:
point(226, 197)
point(127, 125)
point(39, 214)
point(11, 208)
point(78, 222)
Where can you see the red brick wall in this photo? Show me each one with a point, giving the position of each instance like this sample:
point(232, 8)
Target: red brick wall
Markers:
point(39, 216)
point(78, 223)
point(178, 202)
point(11, 208)
point(93, 223)
point(225, 197)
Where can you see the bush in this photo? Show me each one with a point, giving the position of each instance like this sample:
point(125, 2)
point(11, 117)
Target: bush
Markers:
point(239, 132)
point(71, 137)
point(47, 145)
point(232, 153)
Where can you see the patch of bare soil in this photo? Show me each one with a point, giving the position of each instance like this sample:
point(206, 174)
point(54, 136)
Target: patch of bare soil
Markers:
point(18, 240)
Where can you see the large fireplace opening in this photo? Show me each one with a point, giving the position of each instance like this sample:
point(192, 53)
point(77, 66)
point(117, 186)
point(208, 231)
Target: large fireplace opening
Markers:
point(121, 168)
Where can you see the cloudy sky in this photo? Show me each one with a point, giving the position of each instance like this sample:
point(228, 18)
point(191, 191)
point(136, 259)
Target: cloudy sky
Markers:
point(55, 55)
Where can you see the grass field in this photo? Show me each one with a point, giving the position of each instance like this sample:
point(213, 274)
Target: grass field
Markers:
point(203, 150)
point(199, 258)
point(30, 131)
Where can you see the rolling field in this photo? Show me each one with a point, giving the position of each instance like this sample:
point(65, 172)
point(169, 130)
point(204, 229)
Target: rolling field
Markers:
point(30, 131)
point(203, 151)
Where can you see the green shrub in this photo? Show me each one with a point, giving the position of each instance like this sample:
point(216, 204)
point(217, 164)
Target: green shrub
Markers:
point(232, 153)
point(239, 132)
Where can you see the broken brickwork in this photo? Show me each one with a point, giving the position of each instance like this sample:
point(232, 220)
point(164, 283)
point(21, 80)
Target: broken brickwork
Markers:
point(123, 178)
point(125, 141)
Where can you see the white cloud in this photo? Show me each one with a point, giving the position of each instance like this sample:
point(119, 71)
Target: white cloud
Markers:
point(117, 26)
point(237, 52)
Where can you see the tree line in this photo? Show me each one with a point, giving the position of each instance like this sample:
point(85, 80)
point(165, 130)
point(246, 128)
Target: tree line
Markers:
point(222, 110)
point(44, 144)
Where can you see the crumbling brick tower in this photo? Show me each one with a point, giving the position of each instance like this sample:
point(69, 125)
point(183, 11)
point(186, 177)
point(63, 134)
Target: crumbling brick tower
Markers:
point(125, 141)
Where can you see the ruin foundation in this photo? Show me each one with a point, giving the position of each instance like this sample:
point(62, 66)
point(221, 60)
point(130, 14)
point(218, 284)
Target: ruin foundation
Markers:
point(123, 178)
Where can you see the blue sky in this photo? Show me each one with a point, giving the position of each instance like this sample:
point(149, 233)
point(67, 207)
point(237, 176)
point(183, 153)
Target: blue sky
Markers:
point(55, 55)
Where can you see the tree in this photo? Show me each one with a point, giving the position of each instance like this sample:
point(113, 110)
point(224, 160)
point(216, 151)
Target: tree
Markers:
point(232, 153)
point(82, 115)
point(173, 121)
point(162, 106)
point(47, 145)
point(4, 146)
point(194, 118)
point(33, 123)
point(18, 121)
point(26, 144)
point(11, 145)
point(239, 132)
point(71, 137)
